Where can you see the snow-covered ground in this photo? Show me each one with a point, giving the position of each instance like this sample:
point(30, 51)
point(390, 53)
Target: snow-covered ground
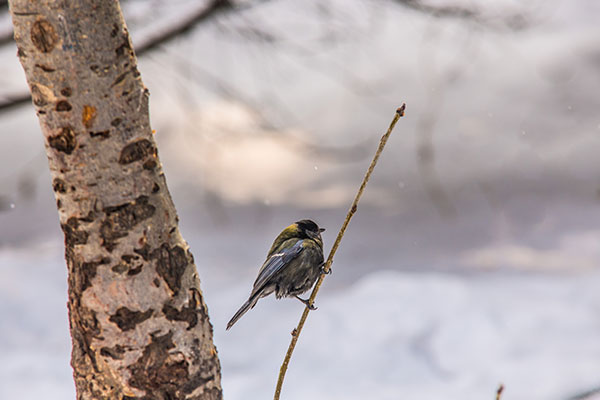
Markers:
point(387, 335)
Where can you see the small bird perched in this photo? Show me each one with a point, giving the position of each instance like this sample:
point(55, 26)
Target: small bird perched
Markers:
point(293, 264)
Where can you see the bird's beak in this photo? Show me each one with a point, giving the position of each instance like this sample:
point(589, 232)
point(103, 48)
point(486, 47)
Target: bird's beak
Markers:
point(321, 229)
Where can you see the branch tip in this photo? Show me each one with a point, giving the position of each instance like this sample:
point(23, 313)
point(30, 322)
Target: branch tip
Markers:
point(499, 391)
point(401, 109)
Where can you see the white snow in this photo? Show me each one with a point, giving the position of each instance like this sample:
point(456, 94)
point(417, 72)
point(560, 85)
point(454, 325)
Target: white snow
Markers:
point(390, 335)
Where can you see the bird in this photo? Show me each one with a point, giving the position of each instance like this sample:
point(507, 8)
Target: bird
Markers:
point(293, 264)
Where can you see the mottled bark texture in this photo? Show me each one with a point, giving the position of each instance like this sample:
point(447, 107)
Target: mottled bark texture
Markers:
point(139, 325)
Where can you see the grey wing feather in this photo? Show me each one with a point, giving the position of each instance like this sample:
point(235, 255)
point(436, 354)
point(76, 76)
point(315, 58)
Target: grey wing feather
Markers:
point(274, 264)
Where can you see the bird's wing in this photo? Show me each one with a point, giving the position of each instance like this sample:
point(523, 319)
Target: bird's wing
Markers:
point(275, 263)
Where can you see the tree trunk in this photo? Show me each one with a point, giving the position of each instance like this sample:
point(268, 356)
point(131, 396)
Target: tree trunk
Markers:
point(139, 325)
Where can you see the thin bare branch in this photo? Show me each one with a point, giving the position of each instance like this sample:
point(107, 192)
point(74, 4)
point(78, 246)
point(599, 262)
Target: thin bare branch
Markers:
point(499, 392)
point(15, 101)
point(426, 162)
point(296, 332)
point(184, 26)
point(587, 395)
point(6, 38)
point(515, 21)
point(441, 11)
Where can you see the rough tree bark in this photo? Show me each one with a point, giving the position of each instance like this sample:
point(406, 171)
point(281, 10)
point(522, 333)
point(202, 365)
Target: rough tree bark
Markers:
point(139, 325)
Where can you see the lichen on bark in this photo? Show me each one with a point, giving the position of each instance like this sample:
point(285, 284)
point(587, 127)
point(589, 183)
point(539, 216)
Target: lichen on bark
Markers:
point(139, 325)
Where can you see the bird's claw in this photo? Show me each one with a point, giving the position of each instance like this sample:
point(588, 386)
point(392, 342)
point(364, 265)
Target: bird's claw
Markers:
point(322, 269)
point(307, 304)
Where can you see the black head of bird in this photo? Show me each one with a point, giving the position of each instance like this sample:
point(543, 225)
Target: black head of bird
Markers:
point(293, 265)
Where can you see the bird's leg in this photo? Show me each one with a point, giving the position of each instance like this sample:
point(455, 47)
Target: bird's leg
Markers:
point(322, 269)
point(306, 303)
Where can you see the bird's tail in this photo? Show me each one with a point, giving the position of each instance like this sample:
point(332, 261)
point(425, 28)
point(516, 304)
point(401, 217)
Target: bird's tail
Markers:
point(250, 303)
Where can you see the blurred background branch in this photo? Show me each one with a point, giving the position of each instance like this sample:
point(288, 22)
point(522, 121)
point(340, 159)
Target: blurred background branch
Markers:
point(184, 25)
point(209, 11)
point(470, 13)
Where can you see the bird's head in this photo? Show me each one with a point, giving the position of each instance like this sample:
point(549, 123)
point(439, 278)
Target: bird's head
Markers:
point(303, 229)
point(307, 228)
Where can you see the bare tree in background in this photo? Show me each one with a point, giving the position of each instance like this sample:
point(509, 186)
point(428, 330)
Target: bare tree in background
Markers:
point(139, 325)
point(208, 11)
point(243, 21)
